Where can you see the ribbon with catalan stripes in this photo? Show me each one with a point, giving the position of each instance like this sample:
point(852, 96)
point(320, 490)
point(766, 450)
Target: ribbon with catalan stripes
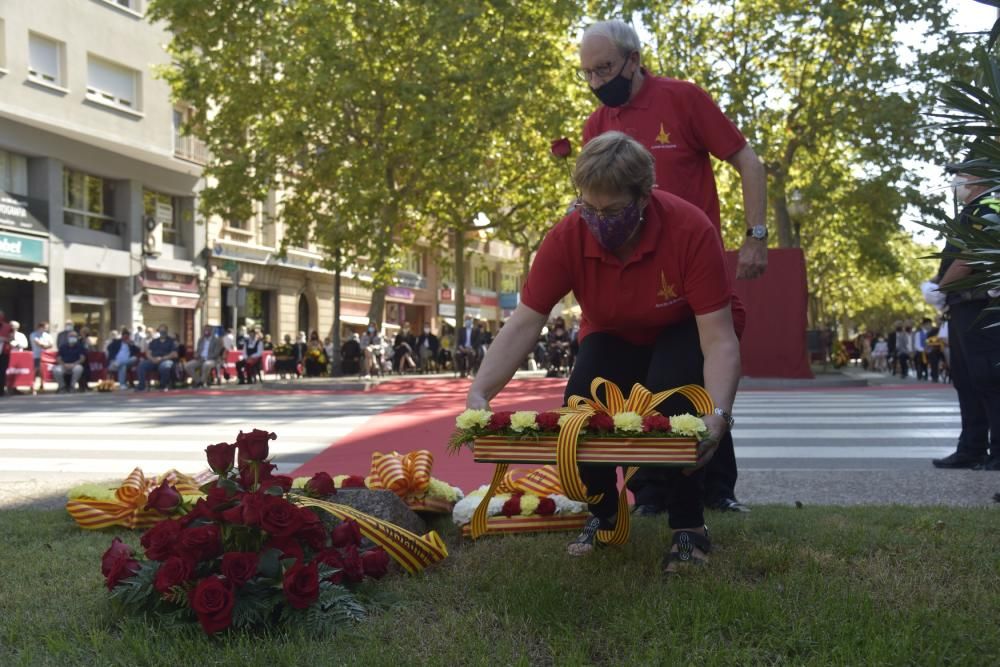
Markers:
point(580, 409)
point(128, 507)
point(403, 474)
point(413, 552)
point(542, 481)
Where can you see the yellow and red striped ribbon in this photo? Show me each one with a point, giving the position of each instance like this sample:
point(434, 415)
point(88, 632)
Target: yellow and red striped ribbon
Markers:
point(128, 508)
point(413, 552)
point(542, 481)
point(404, 475)
point(579, 410)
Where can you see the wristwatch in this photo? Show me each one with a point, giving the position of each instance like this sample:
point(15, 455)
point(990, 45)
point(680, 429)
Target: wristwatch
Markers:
point(725, 415)
point(758, 232)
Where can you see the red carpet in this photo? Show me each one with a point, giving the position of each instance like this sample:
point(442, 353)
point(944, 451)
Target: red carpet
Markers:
point(426, 423)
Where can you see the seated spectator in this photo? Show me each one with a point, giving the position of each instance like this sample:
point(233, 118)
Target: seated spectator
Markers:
point(268, 344)
point(315, 356)
point(371, 345)
point(557, 348)
point(427, 349)
point(467, 342)
point(284, 359)
point(447, 343)
point(402, 349)
point(206, 355)
point(18, 341)
point(41, 340)
point(122, 355)
point(161, 356)
point(351, 355)
point(251, 353)
point(70, 363)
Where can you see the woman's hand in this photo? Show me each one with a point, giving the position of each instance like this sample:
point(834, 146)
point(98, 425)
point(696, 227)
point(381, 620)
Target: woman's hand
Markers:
point(717, 428)
point(476, 401)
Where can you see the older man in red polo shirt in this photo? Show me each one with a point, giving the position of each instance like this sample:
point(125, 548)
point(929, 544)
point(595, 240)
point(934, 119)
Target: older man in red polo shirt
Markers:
point(682, 128)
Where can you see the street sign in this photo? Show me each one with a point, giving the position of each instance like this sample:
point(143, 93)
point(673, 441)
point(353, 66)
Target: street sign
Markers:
point(229, 266)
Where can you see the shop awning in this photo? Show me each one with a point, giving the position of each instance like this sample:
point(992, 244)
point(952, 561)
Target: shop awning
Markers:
point(171, 299)
point(34, 274)
point(449, 320)
point(354, 319)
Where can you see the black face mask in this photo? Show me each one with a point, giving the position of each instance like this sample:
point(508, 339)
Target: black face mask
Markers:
point(615, 92)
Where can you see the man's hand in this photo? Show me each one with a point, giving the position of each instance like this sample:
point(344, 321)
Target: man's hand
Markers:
point(753, 259)
point(717, 428)
point(476, 401)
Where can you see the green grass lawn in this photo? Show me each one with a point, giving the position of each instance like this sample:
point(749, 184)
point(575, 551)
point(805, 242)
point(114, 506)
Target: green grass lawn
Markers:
point(815, 586)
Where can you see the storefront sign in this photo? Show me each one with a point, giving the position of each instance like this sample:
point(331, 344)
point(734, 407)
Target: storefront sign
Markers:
point(399, 294)
point(448, 310)
point(446, 294)
point(167, 280)
point(509, 300)
point(17, 248)
point(21, 213)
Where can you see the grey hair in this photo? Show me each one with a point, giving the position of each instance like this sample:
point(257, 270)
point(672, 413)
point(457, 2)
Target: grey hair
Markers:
point(614, 162)
point(621, 34)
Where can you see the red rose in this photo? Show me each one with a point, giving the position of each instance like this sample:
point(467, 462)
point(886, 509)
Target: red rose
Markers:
point(289, 547)
point(302, 585)
point(331, 558)
point(247, 512)
point(601, 422)
point(221, 457)
point(561, 148)
point(164, 498)
point(118, 549)
point(548, 421)
point(353, 482)
point(375, 562)
point(281, 481)
point(248, 477)
point(321, 485)
point(239, 567)
point(546, 506)
point(312, 532)
point(174, 572)
point(499, 421)
point(279, 517)
point(347, 533)
point(201, 542)
point(655, 423)
point(213, 602)
point(354, 569)
point(158, 542)
point(253, 445)
point(512, 507)
point(120, 569)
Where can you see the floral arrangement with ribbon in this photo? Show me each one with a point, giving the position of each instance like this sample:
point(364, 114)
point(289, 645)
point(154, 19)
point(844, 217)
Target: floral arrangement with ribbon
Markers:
point(587, 419)
point(138, 502)
point(530, 501)
point(252, 552)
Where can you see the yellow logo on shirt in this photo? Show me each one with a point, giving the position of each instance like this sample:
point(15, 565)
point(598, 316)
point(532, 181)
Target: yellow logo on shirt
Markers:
point(663, 137)
point(666, 291)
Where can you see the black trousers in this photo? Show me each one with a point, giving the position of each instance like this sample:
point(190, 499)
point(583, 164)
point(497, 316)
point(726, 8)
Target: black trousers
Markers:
point(976, 374)
point(4, 362)
point(674, 359)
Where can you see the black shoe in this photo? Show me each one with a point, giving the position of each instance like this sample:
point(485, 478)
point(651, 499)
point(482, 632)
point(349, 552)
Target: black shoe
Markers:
point(648, 510)
point(727, 505)
point(992, 463)
point(959, 459)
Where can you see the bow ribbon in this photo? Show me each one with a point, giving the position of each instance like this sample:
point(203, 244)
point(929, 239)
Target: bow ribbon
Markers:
point(128, 507)
point(405, 475)
point(542, 481)
point(580, 409)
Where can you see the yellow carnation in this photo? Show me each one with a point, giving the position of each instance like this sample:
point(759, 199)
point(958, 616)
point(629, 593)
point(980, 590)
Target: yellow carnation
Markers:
point(687, 425)
point(529, 503)
point(628, 422)
point(523, 421)
point(473, 419)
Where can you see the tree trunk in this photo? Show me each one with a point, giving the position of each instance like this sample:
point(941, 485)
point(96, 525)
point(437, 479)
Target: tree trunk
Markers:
point(458, 241)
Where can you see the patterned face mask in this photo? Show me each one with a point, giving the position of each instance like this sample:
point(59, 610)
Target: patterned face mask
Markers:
point(614, 230)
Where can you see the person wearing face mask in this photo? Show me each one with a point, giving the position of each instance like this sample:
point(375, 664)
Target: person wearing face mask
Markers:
point(160, 357)
point(402, 347)
point(371, 343)
point(973, 338)
point(467, 341)
point(428, 346)
point(70, 362)
point(70, 328)
point(649, 273)
point(122, 355)
point(683, 128)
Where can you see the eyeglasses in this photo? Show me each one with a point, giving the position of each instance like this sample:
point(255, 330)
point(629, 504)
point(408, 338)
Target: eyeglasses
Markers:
point(603, 213)
point(601, 72)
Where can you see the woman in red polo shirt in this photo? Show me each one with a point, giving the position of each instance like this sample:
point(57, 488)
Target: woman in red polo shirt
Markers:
point(648, 271)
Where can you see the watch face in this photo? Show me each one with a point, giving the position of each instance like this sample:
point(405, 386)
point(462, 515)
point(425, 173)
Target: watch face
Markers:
point(760, 232)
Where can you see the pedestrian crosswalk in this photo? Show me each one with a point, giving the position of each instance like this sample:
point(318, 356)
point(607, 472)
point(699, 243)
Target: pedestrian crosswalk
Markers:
point(858, 429)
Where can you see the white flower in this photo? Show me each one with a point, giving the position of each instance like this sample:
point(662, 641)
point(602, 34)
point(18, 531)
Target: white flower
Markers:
point(563, 419)
point(687, 424)
point(566, 506)
point(524, 421)
point(628, 422)
point(472, 419)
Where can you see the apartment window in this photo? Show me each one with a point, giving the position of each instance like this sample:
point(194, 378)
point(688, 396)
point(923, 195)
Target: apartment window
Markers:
point(13, 173)
point(88, 202)
point(45, 60)
point(187, 146)
point(112, 84)
point(414, 262)
point(167, 211)
point(482, 278)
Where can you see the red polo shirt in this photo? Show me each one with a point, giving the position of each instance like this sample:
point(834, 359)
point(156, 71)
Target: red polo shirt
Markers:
point(676, 271)
point(680, 125)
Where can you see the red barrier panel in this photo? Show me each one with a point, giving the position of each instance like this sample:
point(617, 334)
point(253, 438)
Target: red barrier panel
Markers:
point(774, 339)
point(232, 356)
point(267, 361)
point(48, 361)
point(21, 370)
point(98, 362)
